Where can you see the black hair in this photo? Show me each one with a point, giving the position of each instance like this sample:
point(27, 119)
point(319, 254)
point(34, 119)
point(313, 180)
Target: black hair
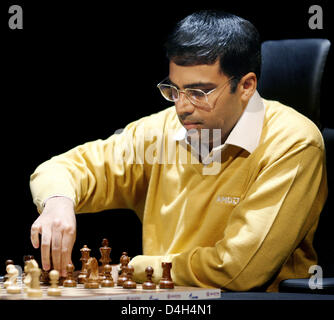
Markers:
point(205, 36)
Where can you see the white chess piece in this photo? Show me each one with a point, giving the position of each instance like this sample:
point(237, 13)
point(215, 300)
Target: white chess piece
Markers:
point(30, 264)
point(54, 290)
point(35, 290)
point(13, 273)
point(7, 282)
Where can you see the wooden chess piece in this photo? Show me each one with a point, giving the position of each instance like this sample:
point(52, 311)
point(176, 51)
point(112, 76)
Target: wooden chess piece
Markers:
point(44, 279)
point(92, 281)
point(26, 258)
point(149, 284)
point(124, 260)
point(69, 281)
point(85, 255)
point(166, 281)
point(30, 264)
point(6, 277)
point(12, 277)
point(105, 254)
point(108, 280)
point(54, 290)
point(35, 291)
point(129, 283)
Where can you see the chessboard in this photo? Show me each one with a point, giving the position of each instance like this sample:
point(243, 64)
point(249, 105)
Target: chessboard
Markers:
point(94, 281)
point(118, 293)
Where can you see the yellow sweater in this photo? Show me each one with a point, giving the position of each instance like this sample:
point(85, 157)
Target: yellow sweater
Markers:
point(247, 227)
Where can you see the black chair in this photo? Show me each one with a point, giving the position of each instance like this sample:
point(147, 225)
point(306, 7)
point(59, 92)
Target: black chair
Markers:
point(292, 72)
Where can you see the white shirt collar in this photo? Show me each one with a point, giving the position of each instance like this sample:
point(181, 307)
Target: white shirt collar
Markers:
point(247, 131)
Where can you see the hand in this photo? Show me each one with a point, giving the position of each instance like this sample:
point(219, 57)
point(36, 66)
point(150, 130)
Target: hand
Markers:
point(57, 225)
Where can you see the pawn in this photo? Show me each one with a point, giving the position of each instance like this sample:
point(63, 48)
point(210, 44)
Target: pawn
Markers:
point(124, 260)
point(129, 283)
point(149, 284)
point(54, 290)
point(69, 281)
point(108, 280)
point(166, 281)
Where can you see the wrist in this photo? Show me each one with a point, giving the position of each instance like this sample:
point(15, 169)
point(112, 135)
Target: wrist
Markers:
point(58, 197)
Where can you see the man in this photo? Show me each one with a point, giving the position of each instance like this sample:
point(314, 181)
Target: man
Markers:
point(228, 186)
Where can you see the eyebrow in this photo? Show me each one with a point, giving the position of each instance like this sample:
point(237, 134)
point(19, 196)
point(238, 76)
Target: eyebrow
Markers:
point(195, 85)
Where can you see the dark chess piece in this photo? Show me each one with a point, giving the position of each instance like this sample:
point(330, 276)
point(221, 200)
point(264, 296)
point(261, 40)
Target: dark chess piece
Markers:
point(108, 281)
point(129, 283)
point(69, 281)
point(166, 281)
point(124, 260)
point(105, 253)
point(92, 281)
point(149, 284)
point(44, 278)
point(85, 255)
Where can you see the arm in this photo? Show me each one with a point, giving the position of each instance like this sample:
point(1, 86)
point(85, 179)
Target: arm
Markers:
point(93, 177)
point(97, 176)
point(277, 211)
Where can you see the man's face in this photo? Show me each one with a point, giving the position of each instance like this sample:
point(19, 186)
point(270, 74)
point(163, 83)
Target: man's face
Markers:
point(226, 108)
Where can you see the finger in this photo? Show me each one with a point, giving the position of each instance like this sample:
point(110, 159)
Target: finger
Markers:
point(45, 250)
point(36, 229)
point(67, 246)
point(56, 242)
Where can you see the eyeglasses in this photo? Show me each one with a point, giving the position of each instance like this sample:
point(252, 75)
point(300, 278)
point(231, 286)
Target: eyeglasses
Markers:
point(197, 97)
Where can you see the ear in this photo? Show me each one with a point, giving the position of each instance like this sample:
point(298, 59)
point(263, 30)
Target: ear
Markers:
point(247, 86)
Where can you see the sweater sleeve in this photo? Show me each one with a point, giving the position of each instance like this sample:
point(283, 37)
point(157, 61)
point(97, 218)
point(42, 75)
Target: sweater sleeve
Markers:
point(278, 209)
point(98, 175)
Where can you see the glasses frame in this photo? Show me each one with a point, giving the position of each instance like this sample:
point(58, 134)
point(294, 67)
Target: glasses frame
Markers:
point(186, 92)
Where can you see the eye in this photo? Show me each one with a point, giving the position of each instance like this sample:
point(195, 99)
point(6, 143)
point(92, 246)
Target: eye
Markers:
point(196, 93)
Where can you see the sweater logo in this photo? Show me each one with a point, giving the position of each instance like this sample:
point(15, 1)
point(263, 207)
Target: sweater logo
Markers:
point(228, 200)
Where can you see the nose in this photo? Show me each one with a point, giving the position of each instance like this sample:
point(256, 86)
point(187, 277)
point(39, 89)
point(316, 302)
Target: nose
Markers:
point(183, 105)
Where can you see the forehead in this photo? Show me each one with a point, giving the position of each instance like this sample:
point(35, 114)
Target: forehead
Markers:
point(185, 75)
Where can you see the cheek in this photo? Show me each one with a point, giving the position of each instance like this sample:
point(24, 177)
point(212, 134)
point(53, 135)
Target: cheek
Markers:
point(223, 115)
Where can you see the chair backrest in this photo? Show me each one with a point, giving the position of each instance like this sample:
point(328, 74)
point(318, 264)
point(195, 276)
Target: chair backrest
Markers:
point(323, 239)
point(292, 71)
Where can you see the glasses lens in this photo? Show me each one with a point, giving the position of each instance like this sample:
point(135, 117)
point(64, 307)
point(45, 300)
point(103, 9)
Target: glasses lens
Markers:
point(197, 96)
point(169, 92)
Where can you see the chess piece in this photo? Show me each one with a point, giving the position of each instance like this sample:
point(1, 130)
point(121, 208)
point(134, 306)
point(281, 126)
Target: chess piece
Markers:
point(124, 260)
point(44, 279)
point(69, 281)
point(92, 280)
point(35, 291)
point(5, 279)
point(12, 277)
point(85, 255)
point(149, 284)
point(166, 281)
point(54, 290)
point(105, 253)
point(29, 265)
point(26, 258)
point(129, 283)
point(108, 280)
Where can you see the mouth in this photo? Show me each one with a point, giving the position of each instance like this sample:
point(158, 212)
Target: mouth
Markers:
point(191, 125)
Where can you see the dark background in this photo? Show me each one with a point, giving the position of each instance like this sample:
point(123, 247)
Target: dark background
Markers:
point(77, 72)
